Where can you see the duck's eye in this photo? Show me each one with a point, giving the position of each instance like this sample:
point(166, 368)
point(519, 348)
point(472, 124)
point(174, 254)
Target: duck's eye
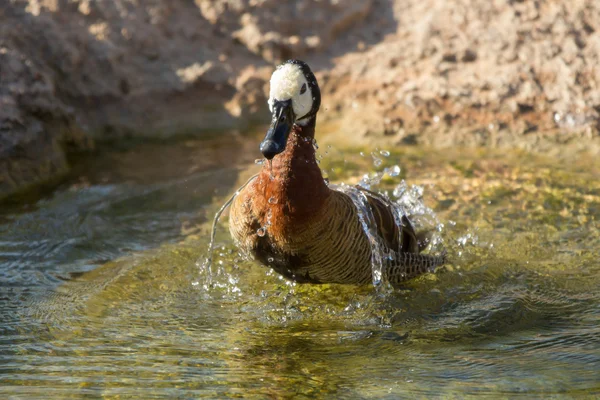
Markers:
point(303, 89)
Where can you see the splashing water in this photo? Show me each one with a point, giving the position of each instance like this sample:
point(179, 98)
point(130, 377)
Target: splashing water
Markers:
point(207, 263)
point(409, 204)
point(410, 199)
point(370, 228)
point(393, 171)
point(377, 161)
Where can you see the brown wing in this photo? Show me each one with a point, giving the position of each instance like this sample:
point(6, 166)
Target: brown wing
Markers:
point(403, 239)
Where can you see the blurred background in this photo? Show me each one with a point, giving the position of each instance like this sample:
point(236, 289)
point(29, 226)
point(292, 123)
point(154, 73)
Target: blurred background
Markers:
point(75, 73)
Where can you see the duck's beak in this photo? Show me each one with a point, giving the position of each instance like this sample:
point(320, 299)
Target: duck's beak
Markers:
point(281, 125)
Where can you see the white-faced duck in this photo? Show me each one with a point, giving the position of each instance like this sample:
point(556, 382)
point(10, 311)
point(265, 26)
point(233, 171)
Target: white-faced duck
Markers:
point(289, 219)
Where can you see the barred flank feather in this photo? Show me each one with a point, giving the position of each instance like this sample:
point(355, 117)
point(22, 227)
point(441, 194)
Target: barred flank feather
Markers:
point(410, 265)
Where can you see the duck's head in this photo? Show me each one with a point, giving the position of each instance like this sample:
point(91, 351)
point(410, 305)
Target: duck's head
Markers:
point(294, 98)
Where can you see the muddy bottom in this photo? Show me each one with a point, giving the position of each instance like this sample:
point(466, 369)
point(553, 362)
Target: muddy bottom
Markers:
point(102, 290)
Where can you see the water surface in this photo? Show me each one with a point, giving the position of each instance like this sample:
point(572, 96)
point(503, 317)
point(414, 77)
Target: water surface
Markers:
point(101, 293)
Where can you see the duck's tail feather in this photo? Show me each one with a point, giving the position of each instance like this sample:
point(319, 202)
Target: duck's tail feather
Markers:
point(410, 265)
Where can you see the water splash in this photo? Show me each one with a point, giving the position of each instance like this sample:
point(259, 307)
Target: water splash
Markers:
point(410, 199)
point(407, 201)
point(367, 221)
point(377, 161)
point(206, 265)
point(375, 178)
point(393, 171)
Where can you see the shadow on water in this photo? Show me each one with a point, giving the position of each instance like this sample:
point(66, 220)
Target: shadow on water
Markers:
point(516, 312)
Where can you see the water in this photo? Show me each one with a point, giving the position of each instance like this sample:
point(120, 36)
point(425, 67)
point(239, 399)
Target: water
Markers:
point(97, 295)
point(369, 226)
point(207, 264)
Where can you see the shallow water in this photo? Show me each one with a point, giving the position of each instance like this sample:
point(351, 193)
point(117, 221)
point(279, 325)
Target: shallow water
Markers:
point(101, 293)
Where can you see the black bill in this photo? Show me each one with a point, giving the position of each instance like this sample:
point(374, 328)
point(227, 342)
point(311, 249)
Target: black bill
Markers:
point(281, 125)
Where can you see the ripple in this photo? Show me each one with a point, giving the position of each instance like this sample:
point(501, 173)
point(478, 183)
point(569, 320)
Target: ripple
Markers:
point(95, 301)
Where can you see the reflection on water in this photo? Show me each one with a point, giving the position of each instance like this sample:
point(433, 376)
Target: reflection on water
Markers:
point(517, 311)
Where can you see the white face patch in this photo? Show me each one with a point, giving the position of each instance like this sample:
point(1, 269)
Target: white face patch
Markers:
point(286, 83)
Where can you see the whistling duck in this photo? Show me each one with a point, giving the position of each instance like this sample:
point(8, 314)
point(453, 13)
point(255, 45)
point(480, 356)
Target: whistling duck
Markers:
point(289, 219)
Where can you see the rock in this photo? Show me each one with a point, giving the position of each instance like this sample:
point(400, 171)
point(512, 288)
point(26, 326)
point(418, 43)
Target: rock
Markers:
point(35, 127)
point(514, 64)
point(468, 56)
point(83, 70)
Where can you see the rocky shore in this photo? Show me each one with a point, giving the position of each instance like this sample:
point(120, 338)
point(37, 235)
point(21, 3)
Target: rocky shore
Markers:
point(440, 72)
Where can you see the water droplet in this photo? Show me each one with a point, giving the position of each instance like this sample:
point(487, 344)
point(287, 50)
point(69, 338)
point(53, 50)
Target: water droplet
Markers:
point(261, 231)
point(394, 171)
point(362, 154)
point(400, 189)
point(384, 153)
point(270, 259)
point(417, 191)
point(371, 180)
point(259, 161)
point(376, 160)
point(272, 200)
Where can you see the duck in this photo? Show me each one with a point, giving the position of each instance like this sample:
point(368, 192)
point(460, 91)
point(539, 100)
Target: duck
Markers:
point(288, 218)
